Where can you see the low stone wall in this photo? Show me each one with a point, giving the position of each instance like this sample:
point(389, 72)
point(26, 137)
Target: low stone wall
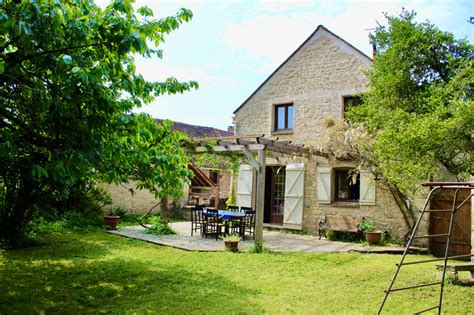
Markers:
point(138, 203)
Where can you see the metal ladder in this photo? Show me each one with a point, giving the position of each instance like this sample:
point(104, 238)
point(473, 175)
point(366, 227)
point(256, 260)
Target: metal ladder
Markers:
point(434, 187)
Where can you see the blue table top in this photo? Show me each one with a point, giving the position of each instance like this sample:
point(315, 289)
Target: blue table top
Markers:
point(227, 215)
point(230, 213)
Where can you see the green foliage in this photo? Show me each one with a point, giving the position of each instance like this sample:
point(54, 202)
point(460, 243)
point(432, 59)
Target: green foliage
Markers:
point(232, 200)
point(135, 219)
point(231, 238)
point(419, 112)
point(91, 269)
point(344, 236)
point(367, 225)
point(69, 89)
point(121, 212)
point(159, 227)
point(257, 248)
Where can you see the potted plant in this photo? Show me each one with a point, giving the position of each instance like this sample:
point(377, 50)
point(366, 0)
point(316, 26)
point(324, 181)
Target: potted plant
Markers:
point(113, 218)
point(372, 235)
point(231, 242)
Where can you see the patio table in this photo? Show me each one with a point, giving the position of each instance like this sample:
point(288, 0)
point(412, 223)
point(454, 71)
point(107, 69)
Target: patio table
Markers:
point(227, 216)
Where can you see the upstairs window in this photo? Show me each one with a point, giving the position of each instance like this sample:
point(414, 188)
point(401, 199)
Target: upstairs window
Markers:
point(283, 117)
point(350, 101)
point(347, 185)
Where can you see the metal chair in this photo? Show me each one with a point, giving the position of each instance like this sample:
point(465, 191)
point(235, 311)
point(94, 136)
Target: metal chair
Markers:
point(233, 208)
point(212, 225)
point(245, 209)
point(197, 219)
point(249, 223)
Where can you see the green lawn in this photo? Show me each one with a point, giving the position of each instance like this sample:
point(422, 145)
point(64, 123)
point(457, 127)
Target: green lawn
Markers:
point(102, 273)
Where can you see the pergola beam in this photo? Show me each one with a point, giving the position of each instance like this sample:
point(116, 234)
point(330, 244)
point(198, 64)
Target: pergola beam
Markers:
point(253, 162)
point(246, 145)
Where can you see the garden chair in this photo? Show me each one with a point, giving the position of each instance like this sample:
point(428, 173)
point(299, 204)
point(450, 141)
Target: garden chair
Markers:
point(247, 223)
point(233, 208)
point(245, 209)
point(197, 219)
point(212, 223)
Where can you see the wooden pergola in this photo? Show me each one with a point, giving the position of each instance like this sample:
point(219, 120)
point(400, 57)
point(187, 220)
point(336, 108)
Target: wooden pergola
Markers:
point(248, 145)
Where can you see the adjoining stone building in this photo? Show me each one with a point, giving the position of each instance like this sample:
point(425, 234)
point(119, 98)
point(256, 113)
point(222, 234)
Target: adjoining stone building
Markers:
point(318, 81)
point(142, 200)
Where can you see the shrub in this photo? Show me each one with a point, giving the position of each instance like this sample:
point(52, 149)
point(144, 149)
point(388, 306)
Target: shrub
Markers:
point(159, 227)
point(367, 226)
point(344, 236)
point(257, 248)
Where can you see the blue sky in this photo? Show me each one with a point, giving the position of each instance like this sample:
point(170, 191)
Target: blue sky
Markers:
point(230, 47)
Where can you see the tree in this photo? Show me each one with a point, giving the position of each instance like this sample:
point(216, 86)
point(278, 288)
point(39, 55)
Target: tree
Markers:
point(68, 88)
point(418, 115)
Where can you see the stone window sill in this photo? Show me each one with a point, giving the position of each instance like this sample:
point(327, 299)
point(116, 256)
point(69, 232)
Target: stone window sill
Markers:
point(346, 204)
point(282, 132)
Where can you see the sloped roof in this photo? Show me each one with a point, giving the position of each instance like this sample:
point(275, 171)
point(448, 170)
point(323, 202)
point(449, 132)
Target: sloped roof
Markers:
point(320, 27)
point(197, 131)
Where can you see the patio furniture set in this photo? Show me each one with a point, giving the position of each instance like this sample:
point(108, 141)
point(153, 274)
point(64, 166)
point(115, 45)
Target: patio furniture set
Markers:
point(212, 222)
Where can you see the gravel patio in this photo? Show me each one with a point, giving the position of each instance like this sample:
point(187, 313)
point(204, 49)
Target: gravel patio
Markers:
point(274, 241)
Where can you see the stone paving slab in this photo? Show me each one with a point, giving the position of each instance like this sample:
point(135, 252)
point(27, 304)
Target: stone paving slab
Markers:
point(274, 241)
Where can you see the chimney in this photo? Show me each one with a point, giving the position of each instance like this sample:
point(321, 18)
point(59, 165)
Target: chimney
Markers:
point(231, 129)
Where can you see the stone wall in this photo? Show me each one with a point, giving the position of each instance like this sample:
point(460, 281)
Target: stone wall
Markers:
point(142, 200)
point(386, 213)
point(315, 80)
point(138, 203)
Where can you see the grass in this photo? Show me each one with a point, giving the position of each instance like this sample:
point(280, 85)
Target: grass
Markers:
point(102, 273)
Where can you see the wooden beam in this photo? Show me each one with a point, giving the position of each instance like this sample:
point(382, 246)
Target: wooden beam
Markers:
point(216, 197)
point(256, 147)
point(260, 197)
point(253, 162)
point(288, 147)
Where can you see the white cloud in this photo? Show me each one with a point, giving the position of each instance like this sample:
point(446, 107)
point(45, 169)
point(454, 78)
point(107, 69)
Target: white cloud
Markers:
point(273, 35)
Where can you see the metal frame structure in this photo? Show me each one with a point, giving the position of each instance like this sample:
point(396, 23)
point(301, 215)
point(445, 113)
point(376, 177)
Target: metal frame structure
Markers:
point(249, 145)
point(455, 206)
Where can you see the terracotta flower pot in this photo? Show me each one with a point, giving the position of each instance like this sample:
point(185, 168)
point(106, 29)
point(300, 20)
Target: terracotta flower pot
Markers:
point(373, 237)
point(232, 246)
point(111, 221)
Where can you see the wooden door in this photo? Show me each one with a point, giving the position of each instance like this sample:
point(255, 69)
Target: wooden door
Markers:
point(277, 200)
point(439, 224)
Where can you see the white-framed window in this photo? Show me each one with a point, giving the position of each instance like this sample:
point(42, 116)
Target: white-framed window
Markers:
point(344, 184)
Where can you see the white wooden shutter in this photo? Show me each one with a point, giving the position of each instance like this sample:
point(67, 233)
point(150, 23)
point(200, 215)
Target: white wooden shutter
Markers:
point(323, 184)
point(294, 196)
point(244, 186)
point(367, 188)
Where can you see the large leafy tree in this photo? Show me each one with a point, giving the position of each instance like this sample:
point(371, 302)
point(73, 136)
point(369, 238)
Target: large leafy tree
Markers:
point(419, 112)
point(68, 87)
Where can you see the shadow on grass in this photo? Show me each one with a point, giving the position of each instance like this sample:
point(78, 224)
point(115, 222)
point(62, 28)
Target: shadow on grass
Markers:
point(81, 278)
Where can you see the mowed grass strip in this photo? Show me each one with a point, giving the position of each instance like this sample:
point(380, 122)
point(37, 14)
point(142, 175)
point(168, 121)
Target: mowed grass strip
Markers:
point(101, 273)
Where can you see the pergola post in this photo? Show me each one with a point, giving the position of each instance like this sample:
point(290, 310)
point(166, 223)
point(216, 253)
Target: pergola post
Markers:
point(260, 196)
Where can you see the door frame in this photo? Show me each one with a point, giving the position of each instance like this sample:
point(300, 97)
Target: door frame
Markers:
point(269, 217)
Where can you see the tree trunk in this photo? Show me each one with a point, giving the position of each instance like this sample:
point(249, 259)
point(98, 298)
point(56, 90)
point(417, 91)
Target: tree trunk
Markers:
point(407, 213)
point(17, 210)
point(165, 212)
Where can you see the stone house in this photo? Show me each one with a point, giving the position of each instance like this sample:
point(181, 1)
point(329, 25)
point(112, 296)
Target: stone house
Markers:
point(323, 76)
point(198, 192)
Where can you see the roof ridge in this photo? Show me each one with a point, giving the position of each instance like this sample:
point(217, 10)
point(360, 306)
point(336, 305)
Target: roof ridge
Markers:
point(193, 130)
point(320, 26)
